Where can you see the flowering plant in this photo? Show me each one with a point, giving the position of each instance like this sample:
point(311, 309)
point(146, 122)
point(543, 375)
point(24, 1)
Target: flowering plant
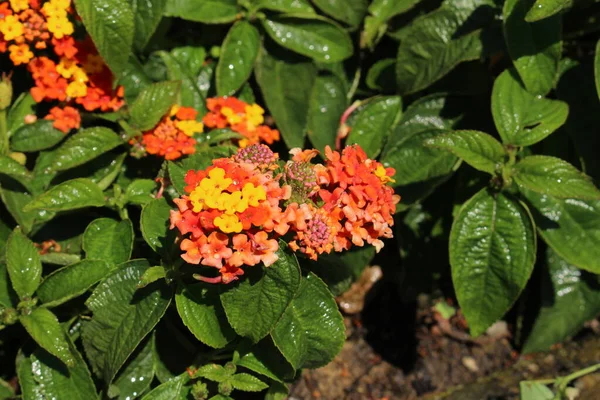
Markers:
point(186, 186)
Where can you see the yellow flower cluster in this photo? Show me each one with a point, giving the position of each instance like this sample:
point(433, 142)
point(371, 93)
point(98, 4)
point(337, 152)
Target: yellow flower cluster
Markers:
point(56, 18)
point(211, 194)
point(254, 116)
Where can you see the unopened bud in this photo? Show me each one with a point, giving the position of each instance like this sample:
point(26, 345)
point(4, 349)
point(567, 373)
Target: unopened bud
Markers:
point(30, 119)
point(6, 92)
point(19, 157)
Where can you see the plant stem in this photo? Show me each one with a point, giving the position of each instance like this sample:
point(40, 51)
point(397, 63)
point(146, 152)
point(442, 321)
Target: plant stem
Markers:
point(3, 133)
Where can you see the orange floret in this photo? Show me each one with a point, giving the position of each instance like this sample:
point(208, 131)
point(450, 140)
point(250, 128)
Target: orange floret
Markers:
point(64, 119)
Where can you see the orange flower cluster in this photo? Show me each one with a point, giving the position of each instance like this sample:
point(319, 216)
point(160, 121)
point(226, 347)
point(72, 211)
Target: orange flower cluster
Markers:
point(73, 74)
point(173, 135)
point(235, 210)
point(231, 216)
point(243, 118)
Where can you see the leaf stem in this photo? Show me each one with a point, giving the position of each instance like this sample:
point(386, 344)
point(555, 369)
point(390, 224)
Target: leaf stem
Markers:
point(3, 133)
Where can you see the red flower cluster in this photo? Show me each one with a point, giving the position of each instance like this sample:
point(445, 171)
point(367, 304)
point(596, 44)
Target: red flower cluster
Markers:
point(72, 73)
point(173, 135)
point(235, 210)
point(243, 118)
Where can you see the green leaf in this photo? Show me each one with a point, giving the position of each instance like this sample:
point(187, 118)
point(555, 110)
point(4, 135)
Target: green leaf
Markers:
point(23, 264)
point(69, 195)
point(13, 169)
point(381, 75)
point(24, 105)
point(265, 359)
point(109, 240)
point(416, 162)
point(152, 274)
point(71, 281)
point(44, 328)
point(247, 383)
point(569, 298)
point(372, 124)
point(8, 297)
point(522, 118)
point(555, 177)
point(478, 149)
point(254, 305)
point(140, 191)
point(532, 390)
point(35, 137)
point(350, 12)
point(84, 146)
point(277, 391)
point(123, 316)
point(6, 390)
point(311, 331)
point(570, 226)
point(206, 11)
point(60, 258)
point(111, 25)
point(326, 106)
point(138, 373)
point(147, 15)
point(174, 389)
point(546, 8)
point(492, 253)
point(238, 53)
point(153, 103)
point(434, 44)
point(15, 201)
point(535, 48)
point(42, 376)
point(201, 311)
point(286, 6)
point(597, 68)
point(180, 68)
point(375, 25)
point(310, 35)
point(213, 372)
point(154, 224)
point(286, 88)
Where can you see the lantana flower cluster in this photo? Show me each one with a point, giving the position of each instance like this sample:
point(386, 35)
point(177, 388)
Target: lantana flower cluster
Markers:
point(173, 136)
point(38, 34)
point(241, 117)
point(234, 212)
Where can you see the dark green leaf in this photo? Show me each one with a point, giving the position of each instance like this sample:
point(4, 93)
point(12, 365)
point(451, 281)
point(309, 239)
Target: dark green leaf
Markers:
point(71, 281)
point(372, 124)
point(174, 389)
point(597, 68)
point(555, 177)
point(23, 264)
point(84, 146)
point(6, 390)
point(140, 191)
point(478, 149)
point(311, 331)
point(24, 105)
point(311, 36)
point(277, 391)
point(350, 12)
point(15, 201)
point(238, 53)
point(138, 373)
point(570, 226)
point(41, 376)
point(201, 311)
point(545, 8)
point(154, 224)
point(535, 48)
point(327, 104)
point(381, 11)
point(60, 258)
point(416, 162)
point(381, 75)
point(179, 69)
point(265, 359)
point(255, 304)
point(109, 240)
point(44, 328)
point(434, 44)
point(11, 168)
point(206, 11)
point(110, 23)
point(69, 195)
point(152, 274)
point(522, 118)
point(247, 383)
point(286, 88)
point(153, 103)
point(8, 298)
point(147, 16)
point(492, 253)
point(570, 297)
point(35, 137)
point(123, 316)
point(286, 6)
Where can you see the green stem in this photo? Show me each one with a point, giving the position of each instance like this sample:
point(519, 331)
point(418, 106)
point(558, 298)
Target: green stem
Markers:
point(563, 382)
point(3, 133)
